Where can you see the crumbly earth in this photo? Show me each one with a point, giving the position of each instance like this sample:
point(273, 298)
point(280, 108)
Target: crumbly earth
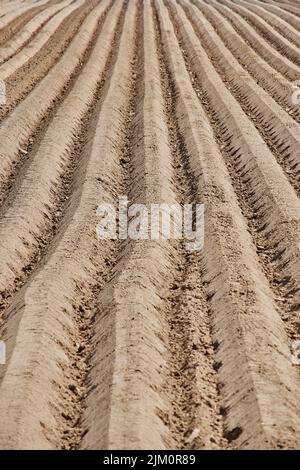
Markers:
point(142, 344)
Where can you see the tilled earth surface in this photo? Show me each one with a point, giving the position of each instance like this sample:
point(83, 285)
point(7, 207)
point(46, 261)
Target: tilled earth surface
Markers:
point(125, 344)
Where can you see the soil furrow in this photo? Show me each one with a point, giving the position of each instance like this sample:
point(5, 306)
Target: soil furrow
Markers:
point(230, 257)
point(30, 118)
point(280, 132)
point(26, 36)
point(63, 317)
point(290, 8)
point(279, 12)
point(278, 23)
point(276, 209)
point(266, 76)
point(128, 369)
point(44, 186)
point(184, 116)
point(275, 59)
point(14, 21)
point(25, 70)
point(280, 43)
point(191, 380)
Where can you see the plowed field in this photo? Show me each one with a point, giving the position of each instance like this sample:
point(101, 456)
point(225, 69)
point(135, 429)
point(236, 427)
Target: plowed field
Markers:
point(142, 344)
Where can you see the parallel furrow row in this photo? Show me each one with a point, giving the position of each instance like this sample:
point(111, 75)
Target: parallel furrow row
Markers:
point(27, 34)
point(24, 70)
point(35, 206)
point(281, 13)
point(280, 43)
point(294, 9)
point(275, 59)
point(53, 312)
point(14, 21)
point(142, 343)
point(258, 329)
point(31, 115)
point(276, 126)
point(191, 380)
point(266, 76)
point(278, 23)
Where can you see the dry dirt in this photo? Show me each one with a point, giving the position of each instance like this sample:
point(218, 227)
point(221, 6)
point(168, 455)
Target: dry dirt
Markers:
point(142, 344)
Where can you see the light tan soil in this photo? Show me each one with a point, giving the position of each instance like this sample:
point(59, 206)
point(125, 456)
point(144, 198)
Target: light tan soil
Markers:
point(141, 344)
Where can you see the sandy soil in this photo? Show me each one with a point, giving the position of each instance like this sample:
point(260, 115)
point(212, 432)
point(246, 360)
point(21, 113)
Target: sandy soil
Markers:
point(142, 344)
